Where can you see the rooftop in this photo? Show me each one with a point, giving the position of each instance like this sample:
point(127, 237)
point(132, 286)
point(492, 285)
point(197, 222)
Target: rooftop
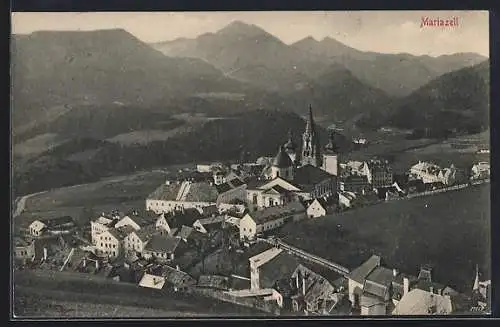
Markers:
point(165, 192)
point(55, 222)
point(310, 175)
point(418, 302)
point(272, 213)
point(164, 244)
point(359, 274)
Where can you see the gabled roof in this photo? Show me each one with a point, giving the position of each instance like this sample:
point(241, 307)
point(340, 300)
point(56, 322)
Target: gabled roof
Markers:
point(119, 233)
point(176, 277)
point(280, 266)
point(163, 244)
point(185, 232)
point(58, 221)
point(359, 274)
point(183, 217)
point(201, 192)
point(144, 234)
point(273, 213)
point(165, 192)
point(152, 281)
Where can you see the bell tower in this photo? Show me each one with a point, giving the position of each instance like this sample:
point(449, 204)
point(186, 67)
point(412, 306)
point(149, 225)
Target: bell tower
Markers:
point(311, 152)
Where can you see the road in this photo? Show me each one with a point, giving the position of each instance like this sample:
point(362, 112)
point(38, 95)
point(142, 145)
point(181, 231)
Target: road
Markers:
point(20, 203)
point(37, 292)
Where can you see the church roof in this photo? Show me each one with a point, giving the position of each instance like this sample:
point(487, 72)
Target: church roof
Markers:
point(310, 175)
point(282, 160)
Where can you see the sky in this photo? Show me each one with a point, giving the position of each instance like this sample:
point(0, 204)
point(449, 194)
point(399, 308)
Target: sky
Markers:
point(379, 31)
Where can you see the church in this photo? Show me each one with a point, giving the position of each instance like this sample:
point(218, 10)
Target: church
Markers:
point(298, 175)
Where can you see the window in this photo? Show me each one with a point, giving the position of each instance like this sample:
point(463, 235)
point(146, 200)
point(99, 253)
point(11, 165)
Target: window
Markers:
point(101, 244)
point(114, 246)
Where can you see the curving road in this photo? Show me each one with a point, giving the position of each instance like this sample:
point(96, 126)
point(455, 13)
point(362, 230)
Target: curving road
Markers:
point(20, 203)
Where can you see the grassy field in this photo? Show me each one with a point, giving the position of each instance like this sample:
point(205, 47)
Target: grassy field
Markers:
point(122, 193)
point(450, 230)
point(75, 295)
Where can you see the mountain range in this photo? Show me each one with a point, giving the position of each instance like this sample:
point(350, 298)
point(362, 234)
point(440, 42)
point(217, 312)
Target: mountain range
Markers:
point(89, 104)
point(249, 53)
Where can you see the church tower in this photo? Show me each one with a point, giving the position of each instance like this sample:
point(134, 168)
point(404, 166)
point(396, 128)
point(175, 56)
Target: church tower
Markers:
point(291, 148)
point(282, 166)
point(331, 157)
point(311, 151)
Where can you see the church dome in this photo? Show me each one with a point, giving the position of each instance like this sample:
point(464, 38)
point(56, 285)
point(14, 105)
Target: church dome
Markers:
point(282, 160)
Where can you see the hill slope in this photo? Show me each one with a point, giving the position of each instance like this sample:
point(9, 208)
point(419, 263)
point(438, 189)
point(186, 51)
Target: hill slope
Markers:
point(455, 101)
point(82, 160)
point(55, 69)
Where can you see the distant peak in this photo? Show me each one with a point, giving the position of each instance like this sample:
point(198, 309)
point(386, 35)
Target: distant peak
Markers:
point(239, 27)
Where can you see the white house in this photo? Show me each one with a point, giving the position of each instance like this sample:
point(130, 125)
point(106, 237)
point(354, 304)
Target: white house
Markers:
point(480, 170)
point(346, 199)
point(420, 302)
point(24, 250)
point(162, 224)
point(136, 240)
point(162, 247)
point(270, 218)
point(172, 196)
point(110, 242)
point(207, 225)
point(37, 228)
point(102, 224)
point(320, 207)
point(136, 221)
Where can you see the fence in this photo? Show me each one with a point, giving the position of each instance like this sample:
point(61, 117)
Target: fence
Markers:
point(249, 302)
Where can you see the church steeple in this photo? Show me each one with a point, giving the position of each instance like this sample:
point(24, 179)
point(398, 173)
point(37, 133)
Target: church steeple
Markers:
point(311, 151)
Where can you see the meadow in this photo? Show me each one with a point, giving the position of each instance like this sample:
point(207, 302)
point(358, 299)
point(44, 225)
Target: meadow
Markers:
point(450, 231)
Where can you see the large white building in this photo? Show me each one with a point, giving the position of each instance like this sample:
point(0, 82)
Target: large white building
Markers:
point(172, 196)
point(257, 222)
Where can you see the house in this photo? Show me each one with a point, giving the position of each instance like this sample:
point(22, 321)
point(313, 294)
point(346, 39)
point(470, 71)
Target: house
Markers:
point(110, 242)
point(302, 285)
point(420, 302)
point(59, 225)
point(209, 225)
point(346, 199)
point(37, 228)
point(136, 240)
point(161, 224)
point(102, 224)
point(321, 207)
point(257, 222)
point(24, 250)
point(425, 171)
point(162, 248)
point(356, 184)
point(136, 220)
point(262, 194)
point(480, 170)
point(381, 173)
point(187, 194)
point(357, 168)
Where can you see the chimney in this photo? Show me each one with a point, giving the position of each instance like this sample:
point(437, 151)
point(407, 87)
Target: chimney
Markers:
point(406, 286)
point(44, 254)
point(394, 272)
point(177, 268)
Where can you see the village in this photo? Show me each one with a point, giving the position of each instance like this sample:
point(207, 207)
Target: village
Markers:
point(212, 232)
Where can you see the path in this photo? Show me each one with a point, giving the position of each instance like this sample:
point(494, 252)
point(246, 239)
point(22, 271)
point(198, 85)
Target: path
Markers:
point(20, 203)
